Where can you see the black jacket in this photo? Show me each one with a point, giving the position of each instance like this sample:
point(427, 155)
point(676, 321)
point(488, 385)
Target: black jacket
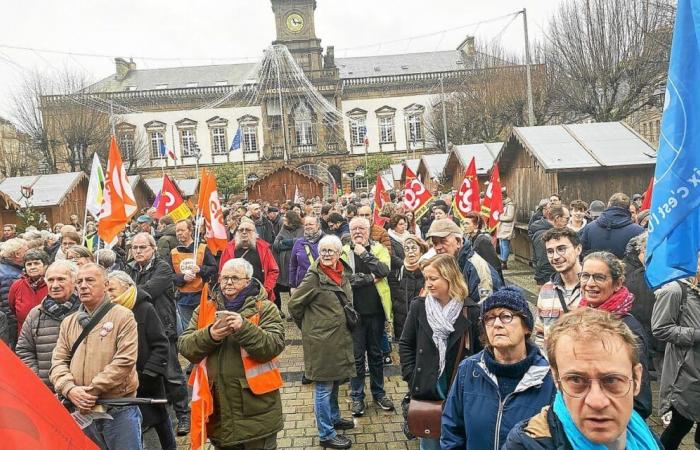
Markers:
point(644, 298)
point(265, 230)
point(156, 279)
point(484, 247)
point(405, 286)
point(152, 360)
point(610, 232)
point(543, 270)
point(419, 355)
point(643, 401)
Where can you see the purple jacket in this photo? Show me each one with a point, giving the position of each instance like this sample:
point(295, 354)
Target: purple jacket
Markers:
point(299, 261)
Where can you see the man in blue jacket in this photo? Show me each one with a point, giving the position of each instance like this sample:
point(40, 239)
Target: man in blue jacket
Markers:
point(612, 230)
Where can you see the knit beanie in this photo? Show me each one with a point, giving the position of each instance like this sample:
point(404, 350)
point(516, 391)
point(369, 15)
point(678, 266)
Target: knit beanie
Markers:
point(512, 298)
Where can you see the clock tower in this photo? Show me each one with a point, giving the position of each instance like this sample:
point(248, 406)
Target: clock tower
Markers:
point(296, 29)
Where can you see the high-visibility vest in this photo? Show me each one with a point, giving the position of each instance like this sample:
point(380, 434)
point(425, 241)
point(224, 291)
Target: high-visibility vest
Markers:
point(262, 377)
point(177, 256)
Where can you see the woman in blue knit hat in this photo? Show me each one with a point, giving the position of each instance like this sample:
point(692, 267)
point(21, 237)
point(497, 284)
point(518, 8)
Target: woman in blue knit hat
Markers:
point(505, 383)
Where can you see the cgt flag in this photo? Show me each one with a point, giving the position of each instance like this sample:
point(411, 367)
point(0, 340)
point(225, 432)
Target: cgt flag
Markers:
point(467, 197)
point(380, 198)
point(170, 202)
point(31, 417)
point(416, 197)
point(492, 207)
point(209, 207)
point(674, 224)
point(119, 203)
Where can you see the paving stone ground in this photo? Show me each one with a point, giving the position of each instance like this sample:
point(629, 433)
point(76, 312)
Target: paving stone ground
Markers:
point(377, 430)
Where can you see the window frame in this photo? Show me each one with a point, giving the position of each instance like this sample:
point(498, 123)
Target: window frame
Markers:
point(218, 138)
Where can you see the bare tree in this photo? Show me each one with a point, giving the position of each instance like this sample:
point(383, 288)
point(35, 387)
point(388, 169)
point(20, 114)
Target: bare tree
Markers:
point(607, 57)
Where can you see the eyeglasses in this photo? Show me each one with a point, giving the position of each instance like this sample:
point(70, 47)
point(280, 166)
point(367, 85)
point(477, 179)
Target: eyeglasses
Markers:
point(327, 251)
point(245, 230)
point(410, 248)
point(598, 278)
point(560, 250)
point(139, 248)
point(578, 386)
point(505, 317)
point(234, 279)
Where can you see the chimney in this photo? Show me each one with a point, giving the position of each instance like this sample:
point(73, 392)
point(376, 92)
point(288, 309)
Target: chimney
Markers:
point(329, 61)
point(123, 68)
point(467, 46)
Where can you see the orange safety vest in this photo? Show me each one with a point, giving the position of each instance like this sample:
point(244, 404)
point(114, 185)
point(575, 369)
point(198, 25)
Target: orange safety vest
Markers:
point(262, 377)
point(197, 284)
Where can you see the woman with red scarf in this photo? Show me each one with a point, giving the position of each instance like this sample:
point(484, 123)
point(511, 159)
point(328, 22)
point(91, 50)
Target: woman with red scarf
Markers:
point(317, 308)
point(602, 283)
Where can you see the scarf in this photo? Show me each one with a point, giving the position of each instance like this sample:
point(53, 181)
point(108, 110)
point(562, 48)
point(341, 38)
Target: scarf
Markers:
point(127, 298)
point(411, 267)
point(619, 304)
point(334, 273)
point(398, 237)
point(84, 315)
point(441, 321)
point(236, 302)
point(313, 238)
point(639, 436)
point(59, 310)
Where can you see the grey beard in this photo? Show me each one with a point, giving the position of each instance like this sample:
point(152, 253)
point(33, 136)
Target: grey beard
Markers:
point(246, 244)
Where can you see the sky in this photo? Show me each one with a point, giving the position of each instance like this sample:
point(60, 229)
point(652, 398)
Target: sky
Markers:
point(172, 33)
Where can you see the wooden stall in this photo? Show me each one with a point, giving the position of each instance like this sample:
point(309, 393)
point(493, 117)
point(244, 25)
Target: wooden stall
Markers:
point(280, 184)
point(431, 170)
point(142, 191)
point(411, 164)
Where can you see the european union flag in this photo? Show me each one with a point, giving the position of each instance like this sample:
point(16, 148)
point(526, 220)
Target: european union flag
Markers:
point(236, 144)
point(674, 225)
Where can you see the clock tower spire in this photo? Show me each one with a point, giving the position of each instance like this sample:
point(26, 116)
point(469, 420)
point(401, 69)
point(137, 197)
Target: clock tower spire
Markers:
point(296, 29)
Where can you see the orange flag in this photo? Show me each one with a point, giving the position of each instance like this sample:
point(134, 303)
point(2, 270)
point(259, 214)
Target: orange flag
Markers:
point(31, 416)
point(467, 197)
point(209, 207)
point(118, 203)
point(202, 406)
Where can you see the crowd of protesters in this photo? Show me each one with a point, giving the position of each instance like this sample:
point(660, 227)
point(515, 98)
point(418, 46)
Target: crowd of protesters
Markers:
point(483, 368)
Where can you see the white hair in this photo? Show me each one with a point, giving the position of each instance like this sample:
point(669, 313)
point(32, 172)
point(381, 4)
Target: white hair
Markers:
point(64, 264)
point(12, 246)
point(239, 262)
point(151, 240)
point(332, 241)
point(122, 277)
point(359, 219)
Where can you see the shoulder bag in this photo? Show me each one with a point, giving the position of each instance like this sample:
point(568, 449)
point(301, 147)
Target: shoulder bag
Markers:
point(352, 317)
point(425, 416)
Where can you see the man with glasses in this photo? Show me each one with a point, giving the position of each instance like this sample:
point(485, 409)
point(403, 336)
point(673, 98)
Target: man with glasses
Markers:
point(247, 245)
point(370, 262)
point(377, 233)
point(241, 348)
point(558, 218)
point(562, 293)
point(153, 274)
point(596, 367)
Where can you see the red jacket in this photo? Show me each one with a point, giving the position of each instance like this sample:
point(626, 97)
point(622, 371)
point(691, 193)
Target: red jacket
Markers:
point(22, 297)
point(269, 266)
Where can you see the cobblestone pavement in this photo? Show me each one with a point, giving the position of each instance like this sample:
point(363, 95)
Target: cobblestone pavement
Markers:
point(377, 430)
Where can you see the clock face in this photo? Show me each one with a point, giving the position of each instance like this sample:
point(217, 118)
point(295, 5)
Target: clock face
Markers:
point(295, 22)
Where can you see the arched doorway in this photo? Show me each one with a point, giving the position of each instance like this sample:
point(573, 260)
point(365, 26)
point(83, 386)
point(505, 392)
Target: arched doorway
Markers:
point(322, 172)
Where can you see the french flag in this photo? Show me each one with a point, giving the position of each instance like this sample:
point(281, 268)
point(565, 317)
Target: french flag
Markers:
point(170, 152)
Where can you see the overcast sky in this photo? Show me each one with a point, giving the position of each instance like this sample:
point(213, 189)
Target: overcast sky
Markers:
point(160, 33)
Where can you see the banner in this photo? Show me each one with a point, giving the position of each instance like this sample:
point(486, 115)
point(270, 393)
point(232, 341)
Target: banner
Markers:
point(171, 203)
point(209, 207)
point(648, 194)
point(380, 198)
point(118, 203)
point(493, 201)
point(466, 198)
point(95, 192)
point(417, 198)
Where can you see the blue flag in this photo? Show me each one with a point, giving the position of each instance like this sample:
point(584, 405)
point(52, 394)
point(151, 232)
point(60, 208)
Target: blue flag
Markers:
point(674, 224)
point(236, 144)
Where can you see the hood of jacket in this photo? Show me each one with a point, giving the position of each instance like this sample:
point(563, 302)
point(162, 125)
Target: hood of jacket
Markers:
point(614, 217)
point(256, 294)
point(534, 376)
point(465, 253)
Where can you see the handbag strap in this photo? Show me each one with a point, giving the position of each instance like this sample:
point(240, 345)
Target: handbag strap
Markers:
point(340, 298)
point(94, 320)
point(561, 300)
point(464, 344)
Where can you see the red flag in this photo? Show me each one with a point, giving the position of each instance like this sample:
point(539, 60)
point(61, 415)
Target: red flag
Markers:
point(171, 203)
point(416, 198)
point(202, 406)
point(118, 203)
point(467, 197)
point(646, 201)
point(493, 201)
point(410, 175)
point(380, 198)
point(209, 207)
point(31, 416)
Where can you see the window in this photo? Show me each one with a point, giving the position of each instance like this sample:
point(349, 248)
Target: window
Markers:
point(415, 128)
point(126, 144)
point(218, 141)
point(360, 183)
point(188, 142)
point(156, 141)
point(303, 127)
point(250, 139)
point(386, 129)
point(358, 130)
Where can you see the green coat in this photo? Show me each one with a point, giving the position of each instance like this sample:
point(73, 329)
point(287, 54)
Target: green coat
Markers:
point(239, 415)
point(328, 352)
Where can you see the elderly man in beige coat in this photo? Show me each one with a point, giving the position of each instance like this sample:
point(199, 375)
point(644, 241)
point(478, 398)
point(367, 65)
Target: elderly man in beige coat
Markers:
point(102, 365)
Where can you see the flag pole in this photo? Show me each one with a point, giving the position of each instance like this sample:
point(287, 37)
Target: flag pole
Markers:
point(245, 176)
point(84, 227)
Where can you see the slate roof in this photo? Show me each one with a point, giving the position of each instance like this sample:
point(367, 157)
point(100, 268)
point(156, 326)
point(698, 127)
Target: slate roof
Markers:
point(485, 154)
point(236, 74)
point(587, 145)
point(49, 190)
point(434, 164)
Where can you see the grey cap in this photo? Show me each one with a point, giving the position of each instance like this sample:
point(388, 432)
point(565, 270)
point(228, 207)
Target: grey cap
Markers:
point(596, 208)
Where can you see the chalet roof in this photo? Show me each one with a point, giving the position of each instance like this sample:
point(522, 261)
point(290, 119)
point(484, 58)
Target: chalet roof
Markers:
point(290, 169)
point(237, 74)
point(187, 186)
point(396, 171)
point(411, 164)
point(485, 153)
point(587, 145)
point(49, 190)
point(434, 164)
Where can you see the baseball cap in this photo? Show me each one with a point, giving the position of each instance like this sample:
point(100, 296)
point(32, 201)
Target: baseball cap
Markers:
point(144, 218)
point(442, 228)
point(596, 208)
